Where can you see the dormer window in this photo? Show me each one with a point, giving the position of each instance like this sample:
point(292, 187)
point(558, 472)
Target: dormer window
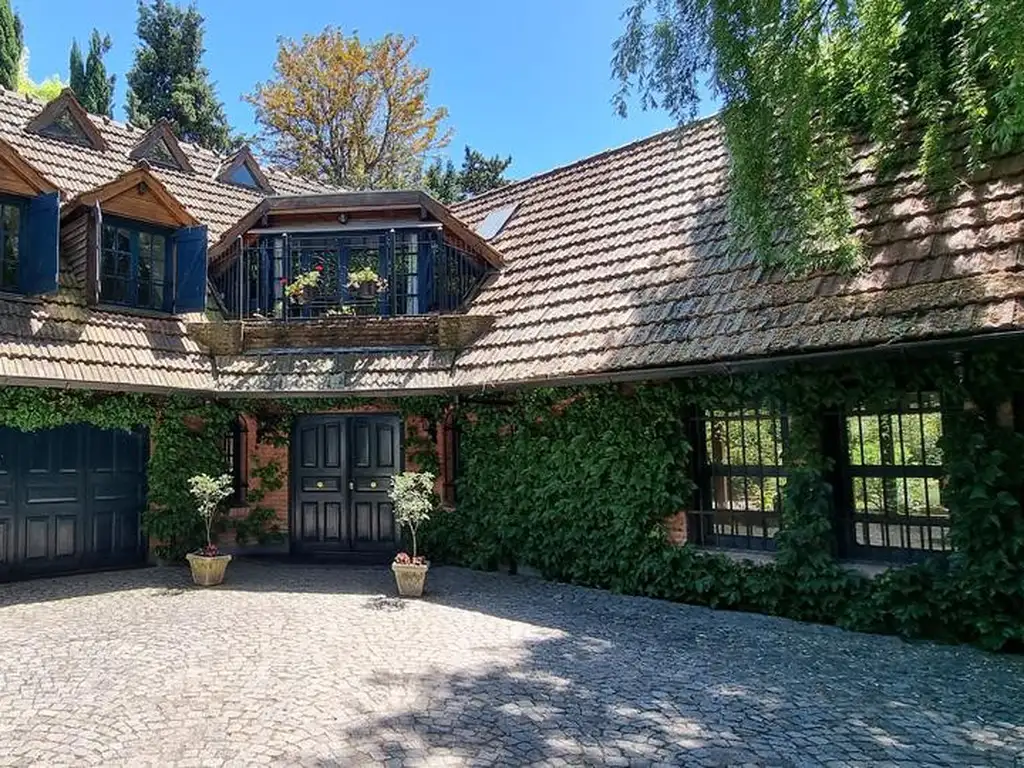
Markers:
point(135, 265)
point(242, 176)
point(64, 119)
point(159, 147)
point(242, 170)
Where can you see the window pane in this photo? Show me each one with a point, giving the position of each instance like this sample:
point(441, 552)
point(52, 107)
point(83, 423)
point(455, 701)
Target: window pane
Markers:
point(744, 454)
point(894, 476)
point(10, 237)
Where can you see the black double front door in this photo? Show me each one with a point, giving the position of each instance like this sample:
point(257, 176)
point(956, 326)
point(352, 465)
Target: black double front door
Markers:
point(70, 499)
point(341, 473)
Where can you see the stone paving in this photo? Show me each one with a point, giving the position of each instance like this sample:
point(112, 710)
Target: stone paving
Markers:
point(321, 666)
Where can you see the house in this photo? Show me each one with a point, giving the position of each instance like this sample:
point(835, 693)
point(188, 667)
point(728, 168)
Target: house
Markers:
point(131, 262)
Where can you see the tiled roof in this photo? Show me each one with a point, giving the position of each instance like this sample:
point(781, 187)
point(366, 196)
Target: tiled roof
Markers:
point(620, 262)
point(61, 341)
point(394, 371)
point(76, 169)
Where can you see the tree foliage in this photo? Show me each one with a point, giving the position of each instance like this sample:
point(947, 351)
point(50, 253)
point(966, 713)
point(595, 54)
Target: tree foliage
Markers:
point(349, 113)
point(89, 79)
point(76, 70)
point(478, 174)
point(803, 83)
point(44, 90)
point(168, 80)
point(10, 46)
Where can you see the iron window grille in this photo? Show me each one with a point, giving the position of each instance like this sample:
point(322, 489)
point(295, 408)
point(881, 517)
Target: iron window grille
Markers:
point(135, 266)
point(234, 462)
point(11, 220)
point(741, 475)
point(891, 472)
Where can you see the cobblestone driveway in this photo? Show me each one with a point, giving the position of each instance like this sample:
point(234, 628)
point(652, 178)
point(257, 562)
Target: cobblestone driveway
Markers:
point(319, 666)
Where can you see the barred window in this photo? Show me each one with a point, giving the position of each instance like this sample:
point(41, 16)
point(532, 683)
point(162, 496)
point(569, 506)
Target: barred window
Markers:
point(893, 472)
point(741, 476)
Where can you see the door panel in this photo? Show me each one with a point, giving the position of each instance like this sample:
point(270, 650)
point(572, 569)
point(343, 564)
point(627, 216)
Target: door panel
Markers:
point(342, 469)
point(70, 498)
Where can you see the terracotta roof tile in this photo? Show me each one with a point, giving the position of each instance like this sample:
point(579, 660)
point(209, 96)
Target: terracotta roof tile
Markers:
point(622, 261)
point(76, 169)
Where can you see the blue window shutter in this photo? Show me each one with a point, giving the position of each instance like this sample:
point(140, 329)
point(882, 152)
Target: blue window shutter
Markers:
point(40, 262)
point(190, 270)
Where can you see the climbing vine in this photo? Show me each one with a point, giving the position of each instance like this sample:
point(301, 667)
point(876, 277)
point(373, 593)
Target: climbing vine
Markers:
point(579, 483)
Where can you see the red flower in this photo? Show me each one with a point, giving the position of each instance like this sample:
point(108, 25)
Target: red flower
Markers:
point(319, 267)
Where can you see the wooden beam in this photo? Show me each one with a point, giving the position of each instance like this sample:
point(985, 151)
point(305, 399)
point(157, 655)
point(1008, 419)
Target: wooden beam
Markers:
point(27, 178)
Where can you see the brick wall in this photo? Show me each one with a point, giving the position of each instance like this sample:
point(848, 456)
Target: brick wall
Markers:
point(675, 528)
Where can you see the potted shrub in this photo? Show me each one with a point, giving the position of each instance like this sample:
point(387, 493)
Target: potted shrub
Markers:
point(366, 283)
point(412, 495)
point(208, 565)
point(302, 286)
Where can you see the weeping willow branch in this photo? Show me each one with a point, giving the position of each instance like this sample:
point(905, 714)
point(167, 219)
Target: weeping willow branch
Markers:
point(801, 80)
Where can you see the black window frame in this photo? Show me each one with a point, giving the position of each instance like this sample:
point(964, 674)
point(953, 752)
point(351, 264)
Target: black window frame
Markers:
point(712, 524)
point(131, 283)
point(234, 447)
point(21, 204)
point(855, 521)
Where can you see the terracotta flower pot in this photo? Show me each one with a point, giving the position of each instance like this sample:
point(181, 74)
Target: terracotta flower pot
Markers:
point(410, 579)
point(207, 571)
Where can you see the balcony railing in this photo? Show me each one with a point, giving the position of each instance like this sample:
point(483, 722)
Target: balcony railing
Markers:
point(311, 276)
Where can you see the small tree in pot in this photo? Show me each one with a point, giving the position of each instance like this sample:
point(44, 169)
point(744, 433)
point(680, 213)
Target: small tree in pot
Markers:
point(208, 565)
point(412, 494)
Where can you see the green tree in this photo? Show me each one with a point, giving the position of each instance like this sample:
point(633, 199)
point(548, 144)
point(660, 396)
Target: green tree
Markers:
point(168, 79)
point(478, 174)
point(45, 90)
point(89, 79)
point(10, 46)
point(799, 82)
point(99, 86)
point(76, 70)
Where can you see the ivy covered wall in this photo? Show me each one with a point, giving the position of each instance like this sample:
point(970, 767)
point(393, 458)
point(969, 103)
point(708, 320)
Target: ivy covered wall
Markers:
point(579, 483)
point(187, 435)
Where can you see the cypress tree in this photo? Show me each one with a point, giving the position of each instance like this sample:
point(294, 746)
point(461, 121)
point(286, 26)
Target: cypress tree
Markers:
point(98, 88)
point(76, 71)
point(10, 46)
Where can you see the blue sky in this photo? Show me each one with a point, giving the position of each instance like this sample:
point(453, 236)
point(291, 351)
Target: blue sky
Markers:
point(530, 78)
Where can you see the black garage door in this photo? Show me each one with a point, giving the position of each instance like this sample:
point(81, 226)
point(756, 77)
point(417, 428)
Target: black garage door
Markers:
point(70, 499)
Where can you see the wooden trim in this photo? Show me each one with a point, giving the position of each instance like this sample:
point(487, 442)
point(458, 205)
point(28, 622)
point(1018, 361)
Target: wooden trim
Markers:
point(243, 225)
point(24, 170)
point(179, 214)
point(52, 111)
point(162, 130)
point(365, 201)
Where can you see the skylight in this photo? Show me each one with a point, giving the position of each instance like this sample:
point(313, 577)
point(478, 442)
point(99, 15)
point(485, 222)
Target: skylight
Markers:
point(495, 221)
